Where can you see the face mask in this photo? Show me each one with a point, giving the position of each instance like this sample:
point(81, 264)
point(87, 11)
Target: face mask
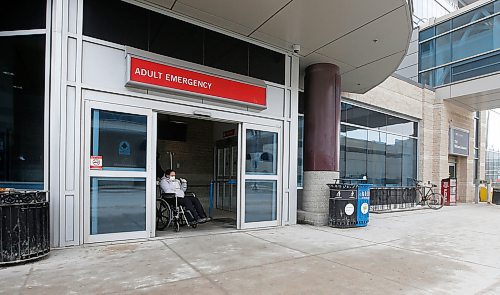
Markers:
point(172, 178)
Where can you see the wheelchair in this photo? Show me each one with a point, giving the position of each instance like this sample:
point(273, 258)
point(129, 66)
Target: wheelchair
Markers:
point(170, 213)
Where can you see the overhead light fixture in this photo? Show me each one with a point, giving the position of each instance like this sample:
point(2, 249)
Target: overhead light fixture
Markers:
point(202, 114)
point(8, 73)
point(375, 40)
point(17, 87)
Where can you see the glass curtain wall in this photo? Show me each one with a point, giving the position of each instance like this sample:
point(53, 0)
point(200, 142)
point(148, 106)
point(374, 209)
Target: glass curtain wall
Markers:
point(22, 92)
point(379, 146)
point(463, 47)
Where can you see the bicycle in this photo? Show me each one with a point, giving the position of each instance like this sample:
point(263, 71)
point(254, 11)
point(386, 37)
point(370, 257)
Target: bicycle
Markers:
point(428, 196)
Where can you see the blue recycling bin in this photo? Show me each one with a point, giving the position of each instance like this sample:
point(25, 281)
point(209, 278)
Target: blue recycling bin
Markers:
point(363, 208)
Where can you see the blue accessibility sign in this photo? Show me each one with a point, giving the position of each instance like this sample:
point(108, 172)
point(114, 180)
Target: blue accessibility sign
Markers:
point(124, 148)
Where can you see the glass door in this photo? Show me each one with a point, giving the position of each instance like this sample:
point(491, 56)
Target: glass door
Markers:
point(117, 190)
point(261, 176)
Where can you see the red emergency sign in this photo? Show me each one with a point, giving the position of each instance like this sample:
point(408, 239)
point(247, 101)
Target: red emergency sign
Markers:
point(146, 73)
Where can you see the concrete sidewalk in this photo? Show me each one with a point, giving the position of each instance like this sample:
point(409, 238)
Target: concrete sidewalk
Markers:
point(455, 250)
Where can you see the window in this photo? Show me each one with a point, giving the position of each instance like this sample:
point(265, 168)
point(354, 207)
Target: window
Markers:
point(300, 153)
point(356, 152)
point(426, 34)
point(266, 64)
point(226, 53)
point(117, 22)
point(20, 15)
point(175, 38)
point(393, 160)
point(480, 34)
point(22, 90)
point(427, 55)
point(475, 15)
point(409, 169)
point(385, 151)
point(127, 24)
point(376, 157)
point(443, 49)
point(443, 27)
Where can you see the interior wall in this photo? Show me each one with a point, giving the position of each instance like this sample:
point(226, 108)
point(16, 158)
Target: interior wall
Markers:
point(193, 158)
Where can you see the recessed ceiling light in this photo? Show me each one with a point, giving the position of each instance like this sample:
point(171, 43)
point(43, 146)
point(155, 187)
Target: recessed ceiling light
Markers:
point(375, 40)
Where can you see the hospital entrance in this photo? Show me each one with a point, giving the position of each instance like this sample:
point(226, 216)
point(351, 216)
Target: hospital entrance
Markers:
point(208, 155)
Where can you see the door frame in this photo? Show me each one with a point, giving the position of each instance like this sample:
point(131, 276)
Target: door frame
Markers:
point(88, 173)
point(242, 128)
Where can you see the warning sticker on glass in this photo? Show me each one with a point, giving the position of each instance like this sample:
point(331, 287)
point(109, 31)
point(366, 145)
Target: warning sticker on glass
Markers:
point(364, 208)
point(96, 162)
point(349, 209)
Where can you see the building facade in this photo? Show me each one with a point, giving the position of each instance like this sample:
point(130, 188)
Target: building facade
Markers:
point(94, 93)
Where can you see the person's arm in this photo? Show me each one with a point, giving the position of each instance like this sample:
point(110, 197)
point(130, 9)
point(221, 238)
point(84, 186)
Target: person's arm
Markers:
point(166, 186)
point(184, 184)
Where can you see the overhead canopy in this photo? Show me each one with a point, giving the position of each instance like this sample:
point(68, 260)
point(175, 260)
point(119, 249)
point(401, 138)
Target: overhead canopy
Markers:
point(366, 39)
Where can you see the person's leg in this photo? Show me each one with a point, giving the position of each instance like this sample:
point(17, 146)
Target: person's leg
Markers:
point(188, 205)
point(197, 205)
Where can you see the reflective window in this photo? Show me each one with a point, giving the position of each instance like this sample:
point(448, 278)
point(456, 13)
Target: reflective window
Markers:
point(426, 78)
point(409, 169)
point(443, 27)
point(121, 140)
point(226, 53)
point(393, 160)
point(426, 34)
point(21, 15)
point(301, 102)
point(117, 205)
point(443, 49)
point(401, 126)
point(300, 154)
point(479, 34)
point(376, 157)
point(474, 15)
point(117, 22)
point(475, 67)
point(343, 138)
point(266, 64)
point(175, 38)
point(377, 120)
point(356, 151)
point(260, 200)
point(22, 90)
point(357, 115)
point(443, 75)
point(427, 55)
point(262, 151)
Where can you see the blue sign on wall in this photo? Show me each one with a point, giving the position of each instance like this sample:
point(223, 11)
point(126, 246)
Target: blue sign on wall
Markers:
point(124, 148)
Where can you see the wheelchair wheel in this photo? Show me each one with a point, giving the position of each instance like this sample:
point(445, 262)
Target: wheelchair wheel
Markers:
point(163, 214)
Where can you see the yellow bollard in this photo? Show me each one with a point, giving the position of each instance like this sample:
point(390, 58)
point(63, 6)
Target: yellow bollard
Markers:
point(483, 194)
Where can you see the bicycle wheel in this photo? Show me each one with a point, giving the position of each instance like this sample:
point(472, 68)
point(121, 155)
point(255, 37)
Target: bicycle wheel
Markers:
point(163, 214)
point(435, 201)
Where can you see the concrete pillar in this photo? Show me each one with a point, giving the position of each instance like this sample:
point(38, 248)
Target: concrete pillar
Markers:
point(321, 140)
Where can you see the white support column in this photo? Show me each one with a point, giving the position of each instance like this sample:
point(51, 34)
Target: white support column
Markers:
point(56, 60)
point(294, 127)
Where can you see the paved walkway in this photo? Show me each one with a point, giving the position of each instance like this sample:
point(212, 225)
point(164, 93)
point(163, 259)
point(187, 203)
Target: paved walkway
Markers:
point(451, 251)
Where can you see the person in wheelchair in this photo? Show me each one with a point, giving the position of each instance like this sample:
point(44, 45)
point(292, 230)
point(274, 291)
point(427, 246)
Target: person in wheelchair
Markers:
point(170, 185)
